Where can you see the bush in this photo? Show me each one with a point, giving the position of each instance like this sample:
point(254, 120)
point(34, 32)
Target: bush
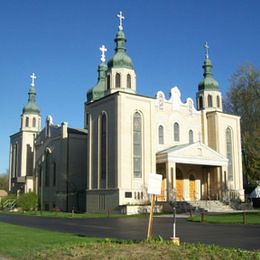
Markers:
point(28, 201)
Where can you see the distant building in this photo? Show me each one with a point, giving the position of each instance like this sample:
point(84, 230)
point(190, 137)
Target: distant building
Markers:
point(60, 167)
point(22, 151)
point(195, 147)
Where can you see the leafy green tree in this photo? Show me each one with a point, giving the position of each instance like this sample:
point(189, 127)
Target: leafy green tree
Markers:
point(28, 201)
point(243, 99)
point(4, 181)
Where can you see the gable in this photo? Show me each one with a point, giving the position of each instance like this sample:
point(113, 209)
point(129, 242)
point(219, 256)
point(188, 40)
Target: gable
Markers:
point(196, 153)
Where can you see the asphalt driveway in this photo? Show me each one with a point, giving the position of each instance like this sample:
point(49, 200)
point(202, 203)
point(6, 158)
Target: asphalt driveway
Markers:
point(237, 236)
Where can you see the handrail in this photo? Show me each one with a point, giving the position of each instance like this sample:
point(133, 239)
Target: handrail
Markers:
point(10, 203)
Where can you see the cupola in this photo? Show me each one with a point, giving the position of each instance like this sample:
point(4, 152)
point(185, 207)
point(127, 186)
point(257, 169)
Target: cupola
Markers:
point(208, 95)
point(98, 91)
point(120, 74)
point(31, 115)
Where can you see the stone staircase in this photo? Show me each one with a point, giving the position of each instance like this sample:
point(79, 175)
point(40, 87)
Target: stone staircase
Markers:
point(203, 205)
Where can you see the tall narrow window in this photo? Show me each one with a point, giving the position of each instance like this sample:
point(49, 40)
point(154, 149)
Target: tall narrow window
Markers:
point(176, 129)
point(137, 145)
point(27, 121)
point(161, 135)
point(218, 101)
point(209, 101)
point(190, 136)
point(108, 81)
point(118, 80)
point(15, 160)
point(128, 83)
point(40, 176)
point(34, 122)
point(103, 149)
point(229, 153)
point(47, 168)
point(87, 120)
point(54, 174)
point(200, 102)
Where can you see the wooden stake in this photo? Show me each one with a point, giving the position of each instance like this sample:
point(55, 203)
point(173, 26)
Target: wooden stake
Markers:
point(149, 232)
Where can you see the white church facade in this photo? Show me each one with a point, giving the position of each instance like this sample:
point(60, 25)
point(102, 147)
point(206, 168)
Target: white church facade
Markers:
point(126, 136)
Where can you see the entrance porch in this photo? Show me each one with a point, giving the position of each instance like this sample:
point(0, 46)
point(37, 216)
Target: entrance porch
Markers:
point(191, 172)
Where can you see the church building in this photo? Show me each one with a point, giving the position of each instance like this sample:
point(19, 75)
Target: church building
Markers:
point(195, 146)
point(196, 150)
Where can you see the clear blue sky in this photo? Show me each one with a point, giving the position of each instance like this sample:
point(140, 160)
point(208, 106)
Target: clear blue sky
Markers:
point(59, 40)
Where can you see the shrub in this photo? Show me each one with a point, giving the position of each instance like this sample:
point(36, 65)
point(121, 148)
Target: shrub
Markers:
point(28, 201)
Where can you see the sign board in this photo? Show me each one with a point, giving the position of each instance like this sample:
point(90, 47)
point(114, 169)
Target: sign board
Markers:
point(154, 184)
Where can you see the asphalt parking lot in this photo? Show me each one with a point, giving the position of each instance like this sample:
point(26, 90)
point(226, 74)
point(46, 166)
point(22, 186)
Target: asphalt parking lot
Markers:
point(135, 228)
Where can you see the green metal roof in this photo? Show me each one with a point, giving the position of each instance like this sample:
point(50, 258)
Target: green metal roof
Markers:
point(31, 107)
point(98, 91)
point(208, 83)
point(120, 58)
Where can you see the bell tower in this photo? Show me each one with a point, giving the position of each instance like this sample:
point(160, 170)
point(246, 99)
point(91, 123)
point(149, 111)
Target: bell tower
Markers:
point(208, 96)
point(22, 152)
point(31, 118)
point(120, 74)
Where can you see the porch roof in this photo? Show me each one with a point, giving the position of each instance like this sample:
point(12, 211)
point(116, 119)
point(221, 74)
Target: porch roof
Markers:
point(195, 153)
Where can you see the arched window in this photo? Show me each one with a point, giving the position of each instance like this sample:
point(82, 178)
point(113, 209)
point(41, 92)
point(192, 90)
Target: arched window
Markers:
point(190, 136)
point(209, 101)
point(161, 135)
point(118, 80)
point(128, 83)
point(27, 121)
point(137, 144)
point(200, 102)
point(108, 81)
point(176, 129)
point(103, 149)
point(34, 122)
point(229, 153)
point(218, 101)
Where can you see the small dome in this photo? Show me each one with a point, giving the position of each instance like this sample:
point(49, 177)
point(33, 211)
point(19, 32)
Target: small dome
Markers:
point(120, 60)
point(31, 107)
point(208, 84)
point(98, 91)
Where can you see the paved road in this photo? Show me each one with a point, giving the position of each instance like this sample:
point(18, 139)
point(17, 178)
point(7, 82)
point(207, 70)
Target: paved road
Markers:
point(238, 236)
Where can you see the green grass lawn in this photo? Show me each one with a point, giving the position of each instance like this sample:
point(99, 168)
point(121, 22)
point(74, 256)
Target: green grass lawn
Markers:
point(231, 218)
point(17, 242)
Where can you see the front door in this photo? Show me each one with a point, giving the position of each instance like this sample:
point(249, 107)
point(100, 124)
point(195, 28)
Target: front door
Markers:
point(162, 196)
point(179, 185)
point(192, 187)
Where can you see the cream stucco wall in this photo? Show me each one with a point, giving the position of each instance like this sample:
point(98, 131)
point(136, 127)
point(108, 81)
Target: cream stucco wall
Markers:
point(217, 126)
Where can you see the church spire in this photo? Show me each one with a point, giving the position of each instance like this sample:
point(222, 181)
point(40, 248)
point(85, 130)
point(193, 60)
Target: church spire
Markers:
point(32, 92)
point(208, 83)
point(98, 91)
point(31, 106)
point(120, 59)
point(208, 95)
